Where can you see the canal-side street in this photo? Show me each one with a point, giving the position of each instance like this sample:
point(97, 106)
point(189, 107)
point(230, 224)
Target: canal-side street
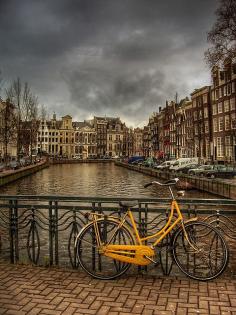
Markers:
point(27, 290)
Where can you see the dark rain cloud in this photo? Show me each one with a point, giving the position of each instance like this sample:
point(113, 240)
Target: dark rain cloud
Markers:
point(108, 57)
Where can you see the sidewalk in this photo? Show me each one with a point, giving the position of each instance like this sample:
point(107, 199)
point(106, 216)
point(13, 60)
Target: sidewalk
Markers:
point(35, 290)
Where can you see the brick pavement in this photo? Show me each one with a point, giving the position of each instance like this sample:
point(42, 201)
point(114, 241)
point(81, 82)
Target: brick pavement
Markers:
point(35, 290)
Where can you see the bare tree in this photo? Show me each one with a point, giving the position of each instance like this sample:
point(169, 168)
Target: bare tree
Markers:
point(7, 128)
point(222, 36)
point(26, 105)
point(30, 125)
point(42, 116)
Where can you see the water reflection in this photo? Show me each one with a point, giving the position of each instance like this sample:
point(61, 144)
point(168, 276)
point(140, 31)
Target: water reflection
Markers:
point(98, 179)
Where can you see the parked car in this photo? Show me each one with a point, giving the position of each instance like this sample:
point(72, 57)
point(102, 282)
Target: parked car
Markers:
point(182, 162)
point(186, 168)
point(165, 165)
point(135, 158)
point(149, 162)
point(137, 162)
point(201, 170)
point(2, 166)
point(25, 161)
point(15, 165)
point(221, 171)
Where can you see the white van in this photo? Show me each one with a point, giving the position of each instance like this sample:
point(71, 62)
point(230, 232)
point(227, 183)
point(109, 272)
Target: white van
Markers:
point(165, 165)
point(182, 162)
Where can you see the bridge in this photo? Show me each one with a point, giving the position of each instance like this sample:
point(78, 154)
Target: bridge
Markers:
point(40, 231)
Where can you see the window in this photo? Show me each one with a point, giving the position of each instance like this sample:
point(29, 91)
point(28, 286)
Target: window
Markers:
point(221, 126)
point(234, 68)
point(196, 130)
point(205, 112)
point(206, 127)
point(228, 147)
point(222, 75)
point(194, 102)
point(227, 140)
point(217, 94)
point(215, 125)
point(233, 87)
point(214, 109)
point(226, 105)
point(229, 89)
point(220, 93)
point(227, 123)
point(220, 108)
point(233, 121)
point(219, 147)
point(225, 90)
point(195, 115)
point(213, 95)
point(204, 98)
point(232, 103)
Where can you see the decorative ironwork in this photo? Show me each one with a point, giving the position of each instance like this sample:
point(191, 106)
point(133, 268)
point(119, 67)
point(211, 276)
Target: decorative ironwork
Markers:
point(42, 229)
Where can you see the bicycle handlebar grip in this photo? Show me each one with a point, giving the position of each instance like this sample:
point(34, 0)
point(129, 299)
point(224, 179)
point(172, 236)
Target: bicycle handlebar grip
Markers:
point(148, 184)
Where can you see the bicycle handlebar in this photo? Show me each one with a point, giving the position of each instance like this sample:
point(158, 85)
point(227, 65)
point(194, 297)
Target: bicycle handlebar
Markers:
point(168, 183)
point(148, 184)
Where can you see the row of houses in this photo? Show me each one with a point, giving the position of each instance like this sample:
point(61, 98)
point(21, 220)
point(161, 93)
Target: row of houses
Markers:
point(98, 137)
point(203, 125)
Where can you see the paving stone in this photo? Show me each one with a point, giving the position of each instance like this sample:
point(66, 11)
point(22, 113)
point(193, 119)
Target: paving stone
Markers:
point(28, 290)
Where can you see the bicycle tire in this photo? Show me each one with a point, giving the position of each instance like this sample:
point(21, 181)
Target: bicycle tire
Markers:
point(97, 265)
point(213, 257)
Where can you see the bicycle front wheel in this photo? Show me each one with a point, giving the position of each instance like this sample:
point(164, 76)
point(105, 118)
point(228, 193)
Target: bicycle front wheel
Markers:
point(94, 263)
point(205, 256)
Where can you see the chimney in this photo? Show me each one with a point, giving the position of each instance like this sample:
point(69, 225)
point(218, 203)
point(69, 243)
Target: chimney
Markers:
point(159, 109)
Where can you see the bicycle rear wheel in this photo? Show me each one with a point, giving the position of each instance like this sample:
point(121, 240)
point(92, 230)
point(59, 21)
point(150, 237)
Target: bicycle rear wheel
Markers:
point(207, 255)
point(94, 263)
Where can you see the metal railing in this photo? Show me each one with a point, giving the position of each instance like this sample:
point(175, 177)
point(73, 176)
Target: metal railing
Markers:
point(42, 229)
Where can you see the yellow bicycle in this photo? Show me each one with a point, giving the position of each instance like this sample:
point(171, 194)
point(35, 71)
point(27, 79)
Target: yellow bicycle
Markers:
point(107, 246)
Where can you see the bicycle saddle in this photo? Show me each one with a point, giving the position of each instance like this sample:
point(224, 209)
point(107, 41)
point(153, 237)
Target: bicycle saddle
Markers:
point(128, 203)
point(171, 182)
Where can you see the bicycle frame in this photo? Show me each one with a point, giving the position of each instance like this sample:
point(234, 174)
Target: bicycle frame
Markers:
point(140, 253)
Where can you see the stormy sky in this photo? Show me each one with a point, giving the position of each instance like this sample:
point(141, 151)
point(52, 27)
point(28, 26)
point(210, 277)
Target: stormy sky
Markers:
point(106, 57)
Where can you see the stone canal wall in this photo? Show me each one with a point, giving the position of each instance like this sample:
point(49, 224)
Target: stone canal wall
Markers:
point(74, 161)
point(13, 175)
point(215, 186)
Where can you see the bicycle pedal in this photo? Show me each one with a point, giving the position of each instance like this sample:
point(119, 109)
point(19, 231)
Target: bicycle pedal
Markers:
point(155, 263)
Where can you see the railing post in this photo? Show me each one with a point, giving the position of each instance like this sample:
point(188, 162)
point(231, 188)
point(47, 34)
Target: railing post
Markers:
point(53, 233)
point(13, 231)
point(56, 232)
point(50, 245)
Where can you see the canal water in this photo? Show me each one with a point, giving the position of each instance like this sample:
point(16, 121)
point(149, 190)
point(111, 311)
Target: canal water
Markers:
point(92, 180)
point(85, 180)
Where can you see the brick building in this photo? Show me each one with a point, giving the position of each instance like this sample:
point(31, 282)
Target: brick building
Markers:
point(224, 113)
point(201, 113)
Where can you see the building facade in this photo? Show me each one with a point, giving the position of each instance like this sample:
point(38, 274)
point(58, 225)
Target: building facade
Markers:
point(201, 112)
point(224, 113)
